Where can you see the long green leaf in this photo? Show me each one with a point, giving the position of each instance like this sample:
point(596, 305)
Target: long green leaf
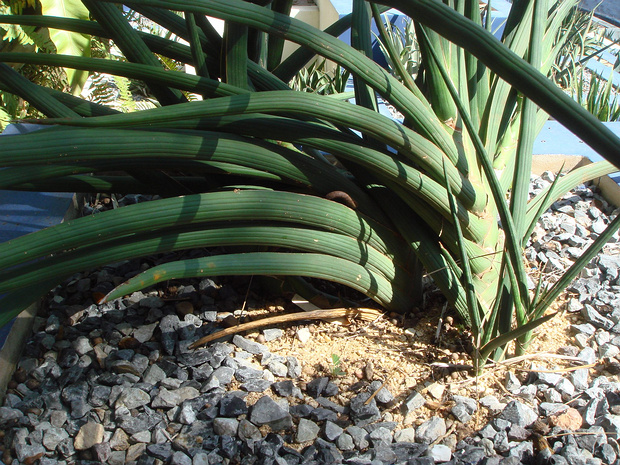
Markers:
point(43, 101)
point(271, 263)
point(155, 74)
point(323, 44)
point(240, 205)
point(197, 236)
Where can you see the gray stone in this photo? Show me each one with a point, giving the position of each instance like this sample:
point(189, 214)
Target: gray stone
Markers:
point(272, 334)
point(460, 412)
point(548, 378)
point(232, 406)
point(317, 386)
point(196, 357)
point(225, 426)
point(585, 328)
point(565, 388)
point(293, 366)
point(500, 442)
point(154, 374)
point(278, 368)
point(602, 337)
point(588, 355)
point(487, 432)
point(332, 431)
point(518, 433)
point(431, 430)
point(323, 402)
point(491, 402)
point(267, 412)
point(511, 382)
point(132, 398)
point(202, 372)
point(186, 414)
point(249, 346)
point(606, 453)
point(245, 373)
point(27, 453)
point(144, 333)
point(117, 457)
point(488, 446)
point(362, 413)
point(141, 422)
point(201, 458)
point(75, 395)
point(161, 452)
point(518, 413)
point(470, 404)
point(58, 418)
point(171, 383)
point(551, 395)
point(248, 431)
point(151, 301)
point(169, 399)
point(405, 435)
point(579, 379)
point(82, 345)
point(180, 458)
point(54, 436)
point(284, 388)
point(223, 375)
point(595, 408)
point(383, 396)
point(102, 452)
point(524, 451)
point(595, 318)
point(582, 340)
point(380, 436)
point(307, 430)
point(8, 414)
point(359, 435)
point(608, 350)
point(256, 385)
point(345, 442)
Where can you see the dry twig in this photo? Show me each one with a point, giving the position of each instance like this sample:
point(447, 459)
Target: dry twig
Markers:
point(366, 314)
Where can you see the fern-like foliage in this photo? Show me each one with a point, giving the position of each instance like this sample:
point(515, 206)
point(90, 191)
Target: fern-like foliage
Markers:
point(125, 99)
point(100, 90)
point(24, 35)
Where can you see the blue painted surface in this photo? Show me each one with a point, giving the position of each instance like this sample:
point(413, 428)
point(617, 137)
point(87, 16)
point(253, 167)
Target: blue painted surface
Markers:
point(25, 212)
point(556, 139)
point(500, 10)
point(603, 70)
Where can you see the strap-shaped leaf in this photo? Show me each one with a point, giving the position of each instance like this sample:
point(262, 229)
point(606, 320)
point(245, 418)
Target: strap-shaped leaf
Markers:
point(240, 205)
point(197, 236)
point(271, 263)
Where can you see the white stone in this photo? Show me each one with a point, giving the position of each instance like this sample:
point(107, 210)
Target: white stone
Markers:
point(441, 453)
point(303, 334)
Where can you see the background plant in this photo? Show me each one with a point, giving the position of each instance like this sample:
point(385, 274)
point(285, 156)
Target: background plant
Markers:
point(247, 167)
point(317, 78)
point(580, 39)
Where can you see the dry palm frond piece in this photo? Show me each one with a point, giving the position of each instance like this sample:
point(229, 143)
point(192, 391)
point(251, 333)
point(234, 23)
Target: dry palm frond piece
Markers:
point(365, 314)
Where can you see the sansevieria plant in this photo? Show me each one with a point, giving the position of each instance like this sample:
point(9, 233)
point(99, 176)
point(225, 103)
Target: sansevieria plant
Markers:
point(252, 163)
